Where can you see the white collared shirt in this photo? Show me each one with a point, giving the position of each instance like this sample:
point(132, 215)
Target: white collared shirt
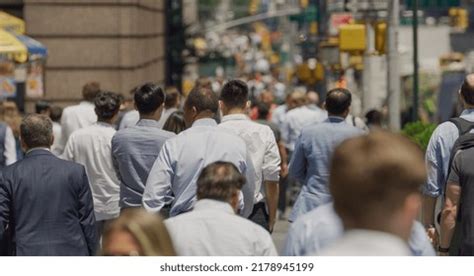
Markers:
point(261, 146)
point(57, 148)
point(361, 242)
point(10, 147)
point(91, 147)
point(213, 229)
point(76, 117)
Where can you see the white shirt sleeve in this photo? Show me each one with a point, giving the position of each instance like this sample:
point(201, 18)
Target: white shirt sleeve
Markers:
point(68, 153)
point(10, 147)
point(271, 160)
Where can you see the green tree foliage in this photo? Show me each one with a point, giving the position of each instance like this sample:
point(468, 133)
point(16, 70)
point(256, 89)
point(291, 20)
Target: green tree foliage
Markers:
point(419, 132)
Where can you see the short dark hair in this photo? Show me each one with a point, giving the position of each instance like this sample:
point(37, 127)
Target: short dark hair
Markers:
point(467, 90)
point(219, 181)
point(90, 91)
point(175, 122)
point(172, 96)
point(235, 93)
point(107, 105)
point(338, 100)
point(263, 110)
point(56, 113)
point(148, 98)
point(202, 99)
point(36, 131)
point(42, 106)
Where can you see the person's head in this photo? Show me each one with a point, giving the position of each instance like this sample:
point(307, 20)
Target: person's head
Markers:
point(221, 181)
point(149, 99)
point(56, 113)
point(234, 96)
point(36, 131)
point(312, 98)
point(297, 99)
point(263, 111)
point(467, 91)
point(137, 233)
point(338, 102)
point(107, 106)
point(175, 122)
point(374, 118)
point(267, 97)
point(200, 103)
point(172, 98)
point(375, 182)
point(43, 107)
point(90, 91)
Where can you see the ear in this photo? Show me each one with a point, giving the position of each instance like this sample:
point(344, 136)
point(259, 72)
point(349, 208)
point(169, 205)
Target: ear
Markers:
point(52, 140)
point(194, 111)
point(248, 104)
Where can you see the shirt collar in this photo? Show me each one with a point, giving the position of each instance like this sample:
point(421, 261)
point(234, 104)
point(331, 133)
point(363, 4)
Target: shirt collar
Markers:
point(103, 124)
point(469, 111)
point(234, 117)
point(36, 149)
point(148, 123)
point(335, 119)
point(215, 205)
point(387, 240)
point(205, 122)
point(85, 103)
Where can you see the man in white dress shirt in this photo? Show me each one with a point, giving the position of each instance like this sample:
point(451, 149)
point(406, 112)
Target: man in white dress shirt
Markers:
point(91, 147)
point(212, 228)
point(261, 146)
point(82, 115)
point(375, 181)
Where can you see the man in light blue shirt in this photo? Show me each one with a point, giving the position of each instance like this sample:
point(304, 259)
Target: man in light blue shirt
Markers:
point(310, 161)
point(438, 154)
point(135, 149)
point(314, 231)
point(174, 174)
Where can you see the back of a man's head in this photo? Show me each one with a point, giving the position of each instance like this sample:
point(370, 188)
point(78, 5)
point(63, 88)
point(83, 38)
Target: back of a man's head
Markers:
point(90, 91)
point(297, 99)
point(219, 181)
point(467, 89)
point(56, 113)
point(42, 107)
point(36, 131)
point(107, 105)
point(375, 179)
point(172, 97)
point(312, 97)
point(202, 99)
point(235, 93)
point(338, 101)
point(263, 111)
point(148, 98)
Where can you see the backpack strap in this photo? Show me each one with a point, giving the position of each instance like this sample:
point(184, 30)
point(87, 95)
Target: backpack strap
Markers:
point(464, 126)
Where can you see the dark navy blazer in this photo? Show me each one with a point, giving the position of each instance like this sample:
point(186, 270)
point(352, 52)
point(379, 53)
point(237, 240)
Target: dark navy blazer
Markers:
point(47, 204)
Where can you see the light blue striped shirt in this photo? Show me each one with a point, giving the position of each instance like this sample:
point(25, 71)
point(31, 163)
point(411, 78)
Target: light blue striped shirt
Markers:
point(320, 228)
point(311, 159)
point(134, 150)
point(175, 172)
point(438, 153)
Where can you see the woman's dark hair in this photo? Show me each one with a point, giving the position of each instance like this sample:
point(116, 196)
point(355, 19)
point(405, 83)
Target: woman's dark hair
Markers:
point(175, 122)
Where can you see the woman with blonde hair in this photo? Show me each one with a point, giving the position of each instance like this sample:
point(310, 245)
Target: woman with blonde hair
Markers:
point(137, 233)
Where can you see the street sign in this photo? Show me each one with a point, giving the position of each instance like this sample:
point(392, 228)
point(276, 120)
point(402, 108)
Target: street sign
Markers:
point(367, 5)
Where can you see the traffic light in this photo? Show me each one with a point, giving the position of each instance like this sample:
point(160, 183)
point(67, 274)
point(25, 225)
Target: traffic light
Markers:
point(459, 18)
point(381, 37)
point(254, 6)
point(352, 37)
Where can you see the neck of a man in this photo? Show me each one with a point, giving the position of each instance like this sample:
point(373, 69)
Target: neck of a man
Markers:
point(386, 226)
point(106, 121)
point(234, 110)
point(338, 115)
point(153, 116)
point(204, 115)
point(468, 106)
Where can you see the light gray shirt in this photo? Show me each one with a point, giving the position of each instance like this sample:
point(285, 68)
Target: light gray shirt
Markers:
point(295, 120)
point(175, 172)
point(213, 229)
point(76, 117)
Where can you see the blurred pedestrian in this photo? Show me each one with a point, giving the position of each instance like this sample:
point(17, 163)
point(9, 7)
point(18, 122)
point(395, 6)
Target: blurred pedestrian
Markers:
point(55, 115)
point(172, 179)
point(137, 233)
point(135, 148)
point(212, 228)
point(43, 108)
point(438, 154)
point(130, 116)
point(314, 231)
point(91, 147)
point(311, 159)
point(82, 115)
point(8, 142)
point(378, 219)
point(172, 103)
point(175, 122)
point(374, 119)
point(262, 147)
point(46, 202)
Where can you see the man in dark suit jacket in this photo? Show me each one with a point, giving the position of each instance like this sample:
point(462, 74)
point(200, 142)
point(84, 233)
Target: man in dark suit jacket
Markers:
point(46, 202)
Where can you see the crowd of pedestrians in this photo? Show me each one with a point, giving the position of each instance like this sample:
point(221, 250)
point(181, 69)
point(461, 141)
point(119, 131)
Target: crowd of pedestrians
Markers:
point(156, 173)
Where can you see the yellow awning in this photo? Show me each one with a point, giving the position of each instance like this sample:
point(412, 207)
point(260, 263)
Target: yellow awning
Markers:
point(12, 23)
point(12, 47)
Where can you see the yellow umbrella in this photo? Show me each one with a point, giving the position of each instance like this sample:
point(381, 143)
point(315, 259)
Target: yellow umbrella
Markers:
point(12, 23)
point(12, 47)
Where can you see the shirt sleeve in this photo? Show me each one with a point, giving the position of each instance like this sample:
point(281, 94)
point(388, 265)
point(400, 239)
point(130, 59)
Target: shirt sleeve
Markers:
point(158, 185)
point(10, 147)
point(248, 190)
point(298, 164)
point(455, 170)
point(292, 245)
point(271, 160)
point(68, 153)
point(4, 207)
